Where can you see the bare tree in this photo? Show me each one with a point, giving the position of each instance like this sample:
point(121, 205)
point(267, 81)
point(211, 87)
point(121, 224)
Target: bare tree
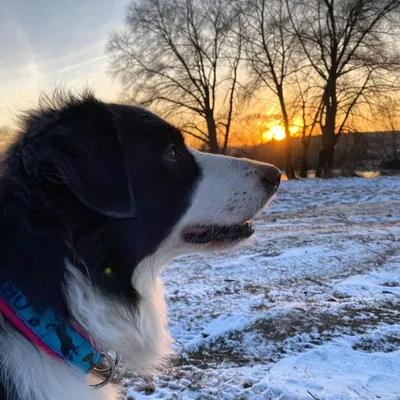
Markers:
point(271, 55)
point(347, 44)
point(182, 56)
point(308, 107)
point(386, 114)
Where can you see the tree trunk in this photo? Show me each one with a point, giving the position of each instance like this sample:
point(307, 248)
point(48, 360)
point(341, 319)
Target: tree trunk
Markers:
point(326, 155)
point(225, 146)
point(289, 169)
point(304, 163)
point(212, 133)
point(329, 137)
point(394, 133)
point(325, 162)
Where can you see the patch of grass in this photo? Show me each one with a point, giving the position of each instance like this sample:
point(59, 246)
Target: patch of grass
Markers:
point(298, 330)
point(259, 307)
point(386, 344)
point(253, 289)
point(147, 389)
point(224, 350)
point(328, 323)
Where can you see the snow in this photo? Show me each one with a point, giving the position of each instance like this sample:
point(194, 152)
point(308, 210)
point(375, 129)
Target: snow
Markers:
point(373, 286)
point(335, 371)
point(307, 309)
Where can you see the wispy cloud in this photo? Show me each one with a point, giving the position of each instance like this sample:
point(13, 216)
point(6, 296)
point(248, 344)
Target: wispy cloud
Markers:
point(76, 54)
point(29, 53)
point(42, 49)
point(33, 69)
point(81, 64)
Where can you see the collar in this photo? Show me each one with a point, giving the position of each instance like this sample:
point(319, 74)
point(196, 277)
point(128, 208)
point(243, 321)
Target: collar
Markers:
point(41, 325)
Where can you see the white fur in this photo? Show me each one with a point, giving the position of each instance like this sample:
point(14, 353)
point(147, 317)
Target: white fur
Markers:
point(229, 191)
point(138, 335)
point(37, 376)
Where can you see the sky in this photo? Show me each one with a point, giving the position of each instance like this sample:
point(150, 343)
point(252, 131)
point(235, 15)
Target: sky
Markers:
point(48, 43)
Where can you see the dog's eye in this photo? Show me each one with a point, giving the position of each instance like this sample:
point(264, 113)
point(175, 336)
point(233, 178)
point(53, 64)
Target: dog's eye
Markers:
point(172, 154)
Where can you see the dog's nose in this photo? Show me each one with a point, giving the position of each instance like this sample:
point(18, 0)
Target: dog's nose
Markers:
point(271, 176)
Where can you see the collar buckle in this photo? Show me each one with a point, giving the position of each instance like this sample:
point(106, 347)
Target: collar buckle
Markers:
point(109, 369)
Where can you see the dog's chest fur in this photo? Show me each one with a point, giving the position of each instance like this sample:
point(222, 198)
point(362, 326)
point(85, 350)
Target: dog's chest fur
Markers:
point(141, 339)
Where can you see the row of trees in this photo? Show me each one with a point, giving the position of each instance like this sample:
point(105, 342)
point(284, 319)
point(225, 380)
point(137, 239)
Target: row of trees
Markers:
point(202, 62)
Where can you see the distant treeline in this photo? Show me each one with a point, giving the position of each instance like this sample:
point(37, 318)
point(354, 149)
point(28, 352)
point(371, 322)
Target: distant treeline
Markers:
point(368, 151)
point(354, 151)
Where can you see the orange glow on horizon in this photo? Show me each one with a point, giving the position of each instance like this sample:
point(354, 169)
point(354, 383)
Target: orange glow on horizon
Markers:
point(277, 132)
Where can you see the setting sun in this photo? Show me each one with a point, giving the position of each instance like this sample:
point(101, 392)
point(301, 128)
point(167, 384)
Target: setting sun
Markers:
point(276, 132)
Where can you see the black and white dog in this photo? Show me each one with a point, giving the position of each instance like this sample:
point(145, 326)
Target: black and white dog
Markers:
point(95, 199)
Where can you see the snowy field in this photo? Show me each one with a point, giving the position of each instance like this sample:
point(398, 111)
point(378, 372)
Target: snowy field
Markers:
point(307, 309)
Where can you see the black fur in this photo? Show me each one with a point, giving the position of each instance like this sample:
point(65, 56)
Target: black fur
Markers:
point(3, 393)
point(89, 182)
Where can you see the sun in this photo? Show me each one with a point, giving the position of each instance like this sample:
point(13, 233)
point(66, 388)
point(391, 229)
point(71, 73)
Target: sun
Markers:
point(277, 132)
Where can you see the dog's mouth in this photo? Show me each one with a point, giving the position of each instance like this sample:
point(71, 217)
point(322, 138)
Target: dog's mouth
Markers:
point(202, 234)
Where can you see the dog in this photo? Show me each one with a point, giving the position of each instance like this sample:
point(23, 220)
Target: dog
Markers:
point(95, 198)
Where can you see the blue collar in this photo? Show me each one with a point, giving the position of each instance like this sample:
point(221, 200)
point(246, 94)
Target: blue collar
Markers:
point(45, 328)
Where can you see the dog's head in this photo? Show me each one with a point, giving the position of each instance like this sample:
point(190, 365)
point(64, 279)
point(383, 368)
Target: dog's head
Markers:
point(126, 184)
point(114, 191)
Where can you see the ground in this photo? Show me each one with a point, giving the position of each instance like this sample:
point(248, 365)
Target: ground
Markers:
point(307, 309)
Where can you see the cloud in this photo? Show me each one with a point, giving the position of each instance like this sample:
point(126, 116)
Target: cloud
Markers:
point(34, 72)
point(81, 64)
point(29, 54)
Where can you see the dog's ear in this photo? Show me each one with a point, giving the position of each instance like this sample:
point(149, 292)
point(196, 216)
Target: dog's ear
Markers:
point(82, 148)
